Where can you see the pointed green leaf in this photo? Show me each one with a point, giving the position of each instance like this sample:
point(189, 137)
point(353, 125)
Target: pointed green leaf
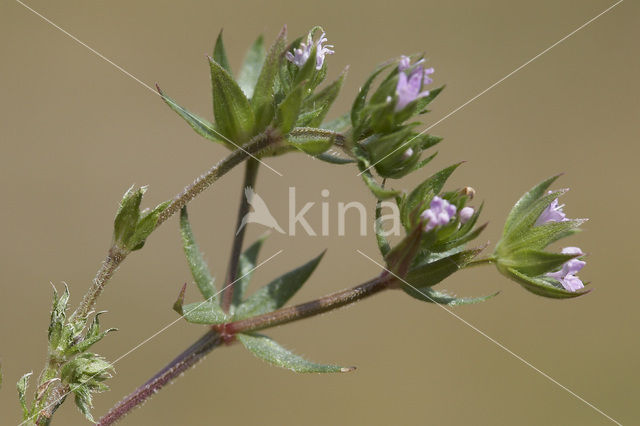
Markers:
point(22, 385)
point(263, 94)
point(430, 274)
point(312, 141)
point(246, 265)
point(361, 99)
point(525, 222)
point(275, 294)
point(270, 351)
point(539, 286)
point(92, 336)
point(128, 215)
point(424, 192)
point(220, 54)
point(231, 107)
point(526, 201)
point(204, 313)
point(202, 127)
point(541, 236)
point(289, 109)
point(422, 103)
point(536, 262)
point(331, 156)
point(146, 225)
point(197, 265)
point(427, 294)
point(323, 100)
point(339, 124)
point(253, 61)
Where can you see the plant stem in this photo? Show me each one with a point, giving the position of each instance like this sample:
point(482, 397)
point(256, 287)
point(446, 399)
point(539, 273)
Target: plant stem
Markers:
point(171, 371)
point(251, 172)
point(309, 309)
point(224, 333)
point(56, 394)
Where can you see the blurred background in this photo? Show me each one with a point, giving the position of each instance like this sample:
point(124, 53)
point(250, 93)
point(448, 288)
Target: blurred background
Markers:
point(76, 133)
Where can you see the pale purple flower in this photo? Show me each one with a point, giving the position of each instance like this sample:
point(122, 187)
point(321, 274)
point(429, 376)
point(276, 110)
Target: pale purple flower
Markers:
point(301, 54)
point(407, 154)
point(553, 213)
point(404, 63)
point(409, 86)
point(465, 214)
point(567, 275)
point(440, 212)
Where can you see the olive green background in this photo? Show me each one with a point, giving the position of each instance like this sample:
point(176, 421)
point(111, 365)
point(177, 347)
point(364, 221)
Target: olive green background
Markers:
point(76, 132)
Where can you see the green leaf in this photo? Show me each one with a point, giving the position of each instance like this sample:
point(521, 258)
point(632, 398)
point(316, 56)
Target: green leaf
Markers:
point(58, 317)
point(331, 157)
point(275, 294)
point(263, 94)
point(268, 350)
point(128, 215)
point(246, 265)
point(430, 274)
point(526, 201)
point(339, 124)
point(220, 55)
point(378, 191)
point(312, 141)
point(204, 313)
point(22, 385)
point(146, 225)
point(197, 265)
point(424, 192)
point(202, 127)
point(525, 222)
point(539, 237)
point(539, 286)
point(289, 109)
point(92, 336)
point(323, 100)
point(361, 99)
point(231, 107)
point(427, 294)
point(423, 102)
point(253, 61)
point(536, 262)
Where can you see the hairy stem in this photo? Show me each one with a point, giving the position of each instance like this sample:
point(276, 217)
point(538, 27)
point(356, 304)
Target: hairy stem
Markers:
point(56, 394)
point(312, 308)
point(251, 172)
point(171, 371)
point(224, 333)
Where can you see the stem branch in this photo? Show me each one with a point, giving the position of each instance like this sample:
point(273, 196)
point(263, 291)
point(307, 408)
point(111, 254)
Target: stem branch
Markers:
point(223, 333)
point(251, 172)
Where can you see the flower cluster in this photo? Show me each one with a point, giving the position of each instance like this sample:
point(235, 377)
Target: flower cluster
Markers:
point(301, 54)
point(441, 212)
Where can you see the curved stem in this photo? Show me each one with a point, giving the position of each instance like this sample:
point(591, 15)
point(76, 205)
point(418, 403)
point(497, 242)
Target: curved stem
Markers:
point(171, 371)
point(224, 333)
point(251, 172)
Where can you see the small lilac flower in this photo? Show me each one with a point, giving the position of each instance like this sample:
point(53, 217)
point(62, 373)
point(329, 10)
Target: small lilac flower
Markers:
point(567, 275)
point(407, 154)
point(408, 87)
point(301, 55)
point(553, 213)
point(440, 212)
point(465, 214)
point(404, 63)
